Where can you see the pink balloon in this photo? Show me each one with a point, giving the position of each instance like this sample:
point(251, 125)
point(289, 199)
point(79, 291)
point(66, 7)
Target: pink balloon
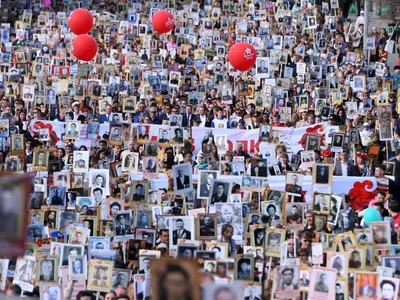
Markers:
point(47, 3)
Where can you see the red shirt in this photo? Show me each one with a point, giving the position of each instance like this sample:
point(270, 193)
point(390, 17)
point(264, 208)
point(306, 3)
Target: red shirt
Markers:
point(396, 222)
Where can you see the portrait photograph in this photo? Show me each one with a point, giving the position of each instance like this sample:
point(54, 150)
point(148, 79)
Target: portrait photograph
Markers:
point(276, 196)
point(99, 179)
point(175, 120)
point(182, 175)
point(122, 223)
point(381, 232)
point(365, 285)
point(143, 218)
point(79, 235)
point(294, 215)
point(294, 182)
point(180, 228)
point(70, 250)
point(335, 205)
point(259, 168)
point(322, 283)
point(183, 272)
point(130, 161)
point(313, 142)
point(387, 288)
point(143, 133)
point(287, 282)
point(81, 161)
point(272, 211)
point(47, 270)
point(40, 160)
point(150, 167)
point(307, 156)
point(322, 174)
point(321, 203)
point(53, 292)
point(337, 140)
point(164, 137)
point(338, 261)
point(99, 243)
point(77, 267)
point(356, 258)
point(57, 195)
point(244, 268)
point(274, 238)
point(115, 135)
point(100, 275)
point(206, 226)
point(186, 251)
point(221, 143)
point(220, 191)
point(205, 181)
point(72, 131)
point(139, 191)
point(129, 104)
point(120, 277)
point(176, 136)
point(233, 290)
point(385, 130)
point(265, 133)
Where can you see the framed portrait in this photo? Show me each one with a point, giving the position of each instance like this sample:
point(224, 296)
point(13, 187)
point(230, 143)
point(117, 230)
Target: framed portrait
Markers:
point(144, 218)
point(381, 233)
point(139, 191)
point(294, 182)
point(115, 134)
point(274, 238)
point(143, 134)
point(162, 272)
point(338, 261)
point(72, 131)
point(120, 277)
point(220, 191)
point(40, 160)
point(387, 287)
point(164, 137)
point(100, 275)
point(273, 211)
point(385, 130)
point(337, 140)
point(122, 223)
point(276, 196)
point(130, 161)
point(321, 203)
point(335, 205)
point(365, 284)
point(265, 133)
point(54, 292)
point(176, 136)
point(307, 156)
point(389, 168)
point(356, 258)
point(180, 228)
point(182, 175)
point(47, 270)
point(150, 167)
point(294, 213)
point(79, 235)
point(99, 179)
point(77, 267)
point(322, 283)
point(77, 181)
point(259, 168)
point(17, 144)
point(287, 282)
point(206, 226)
point(70, 250)
point(313, 142)
point(322, 174)
point(244, 267)
point(81, 161)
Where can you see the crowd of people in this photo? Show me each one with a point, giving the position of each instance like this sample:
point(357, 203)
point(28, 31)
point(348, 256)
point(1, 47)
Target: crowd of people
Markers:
point(158, 171)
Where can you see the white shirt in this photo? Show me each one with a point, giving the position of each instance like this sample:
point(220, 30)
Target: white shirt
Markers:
point(344, 169)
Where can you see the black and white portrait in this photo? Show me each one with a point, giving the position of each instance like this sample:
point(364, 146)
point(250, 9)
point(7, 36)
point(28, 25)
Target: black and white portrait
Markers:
point(122, 223)
point(180, 228)
point(220, 191)
point(205, 181)
point(182, 175)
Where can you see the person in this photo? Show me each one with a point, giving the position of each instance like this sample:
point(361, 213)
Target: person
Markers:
point(287, 280)
point(207, 229)
point(151, 165)
point(123, 228)
point(219, 195)
point(77, 266)
point(321, 285)
point(180, 232)
point(46, 270)
point(182, 181)
point(100, 278)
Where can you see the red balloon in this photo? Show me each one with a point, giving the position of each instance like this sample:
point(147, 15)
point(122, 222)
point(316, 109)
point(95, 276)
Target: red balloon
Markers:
point(242, 56)
point(163, 21)
point(84, 47)
point(80, 21)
